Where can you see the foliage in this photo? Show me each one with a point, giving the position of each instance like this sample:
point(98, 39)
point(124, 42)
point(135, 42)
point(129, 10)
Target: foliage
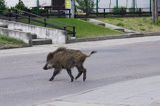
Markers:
point(139, 24)
point(120, 24)
point(21, 6)
point(133, 10)
point(2, 6)
point(119, 10)
point(38, 11)
point(6, 12)
point(8, 42)
point(85, 5)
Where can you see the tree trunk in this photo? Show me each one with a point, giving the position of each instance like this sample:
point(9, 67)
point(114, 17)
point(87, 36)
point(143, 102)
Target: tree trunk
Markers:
point(72, 8)
point(155, 11)
point(97, 6)
point(110, 2)
point(133, 3)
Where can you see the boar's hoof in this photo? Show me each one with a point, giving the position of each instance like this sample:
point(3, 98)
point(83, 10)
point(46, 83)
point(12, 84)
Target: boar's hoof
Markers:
point(84, 79)
point(72, 80)
point(51, 79)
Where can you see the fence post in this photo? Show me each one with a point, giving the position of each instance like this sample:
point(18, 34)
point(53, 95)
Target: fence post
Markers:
point(29, 19)
point(16, 15)
point(47, 13)
point(58, 13)
point(150, 7)
point(69, 13)
point(97, 12)
point(45, 23)
point(74, 31)
point(10, 15)
point(65, 29)
point(104, 10)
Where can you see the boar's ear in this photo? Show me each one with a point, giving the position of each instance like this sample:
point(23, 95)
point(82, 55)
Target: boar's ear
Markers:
point(50, 56)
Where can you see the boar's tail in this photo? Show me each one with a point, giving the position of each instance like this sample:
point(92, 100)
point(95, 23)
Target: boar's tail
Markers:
point(93, 52)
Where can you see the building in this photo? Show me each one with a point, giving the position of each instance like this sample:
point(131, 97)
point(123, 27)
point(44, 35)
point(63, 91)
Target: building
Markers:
point(28, 3)
point(145, 4)
point(56, 4)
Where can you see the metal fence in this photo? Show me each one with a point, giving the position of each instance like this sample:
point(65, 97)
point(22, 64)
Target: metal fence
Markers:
point(116, 12)
point(98, 12)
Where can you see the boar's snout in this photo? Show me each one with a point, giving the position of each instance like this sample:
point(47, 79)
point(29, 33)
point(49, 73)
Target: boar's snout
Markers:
point(48, 66)
point(45, 67)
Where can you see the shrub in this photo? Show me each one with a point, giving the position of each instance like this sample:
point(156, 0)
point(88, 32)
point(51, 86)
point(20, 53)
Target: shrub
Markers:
point(6, 12)
point(85, 5)
point(38, 11)
point(142, 29)
point(120, 24)
point(135, 10)
point(21, 6)
point(119, 10)
point(2, 6)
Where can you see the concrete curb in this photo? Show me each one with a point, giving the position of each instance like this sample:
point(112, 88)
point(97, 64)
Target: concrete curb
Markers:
point(133, 35)
point(78, 45)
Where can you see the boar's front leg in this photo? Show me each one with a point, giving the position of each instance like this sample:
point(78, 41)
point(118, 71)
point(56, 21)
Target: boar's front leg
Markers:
point(56, 71)
point(80, 71)
point(70, 74)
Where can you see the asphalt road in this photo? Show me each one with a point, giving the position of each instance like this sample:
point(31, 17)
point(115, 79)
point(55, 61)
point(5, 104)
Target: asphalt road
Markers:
point(23, 82)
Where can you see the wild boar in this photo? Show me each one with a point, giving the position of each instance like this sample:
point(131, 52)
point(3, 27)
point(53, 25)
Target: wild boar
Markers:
point(64, 58)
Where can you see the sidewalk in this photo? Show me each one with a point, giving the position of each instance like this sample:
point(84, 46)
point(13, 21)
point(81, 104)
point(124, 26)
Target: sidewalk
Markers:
point(139, 92)
point(79, 45)
point(111, 26)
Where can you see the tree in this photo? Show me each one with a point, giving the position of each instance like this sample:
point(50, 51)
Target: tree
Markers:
point(85, 5)
point(97, 6)
point(155, 11)
point(2, 5)
point(21, 6)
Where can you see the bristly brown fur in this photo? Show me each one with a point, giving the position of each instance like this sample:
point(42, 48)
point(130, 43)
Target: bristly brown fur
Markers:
point(63, 58)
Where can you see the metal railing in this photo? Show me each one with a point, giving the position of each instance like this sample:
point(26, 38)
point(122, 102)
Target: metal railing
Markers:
point(29, 18)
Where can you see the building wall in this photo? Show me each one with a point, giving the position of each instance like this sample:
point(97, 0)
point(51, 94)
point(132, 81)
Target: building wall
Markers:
point(28, 3)
point(139, 3)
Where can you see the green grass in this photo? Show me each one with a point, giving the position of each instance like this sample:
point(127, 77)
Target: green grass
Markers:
point(143, 24)
point(83, 29)
point(7, 42)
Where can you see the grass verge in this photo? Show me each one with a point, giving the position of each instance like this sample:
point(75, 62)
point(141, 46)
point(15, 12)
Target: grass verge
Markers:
point(8, 42)
point(141, 24)
point(83, 29)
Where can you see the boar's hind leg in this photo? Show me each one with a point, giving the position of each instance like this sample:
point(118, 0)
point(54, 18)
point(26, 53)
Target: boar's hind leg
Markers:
point(56, 71)
point(81, 70)
point(70, 74)
point(84, 74)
